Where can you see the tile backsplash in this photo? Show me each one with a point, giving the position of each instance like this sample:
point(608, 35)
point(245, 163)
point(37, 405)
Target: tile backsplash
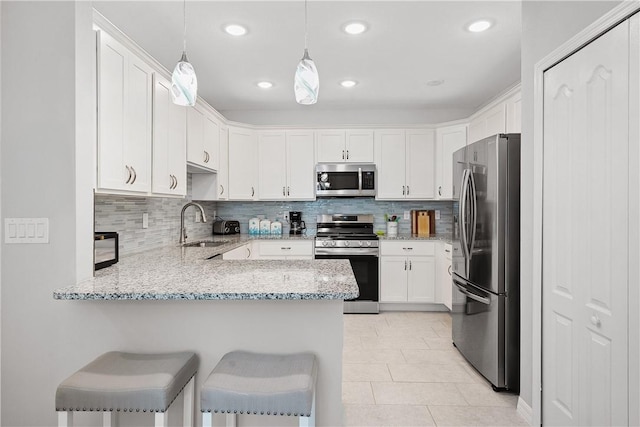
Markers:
point(123, 214)
point(243, 211)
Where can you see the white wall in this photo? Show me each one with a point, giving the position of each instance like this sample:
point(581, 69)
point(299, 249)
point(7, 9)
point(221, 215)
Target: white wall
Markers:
point(545, 26)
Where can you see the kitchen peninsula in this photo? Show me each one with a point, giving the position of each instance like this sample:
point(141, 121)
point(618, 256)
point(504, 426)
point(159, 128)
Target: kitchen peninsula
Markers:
point(187, 298)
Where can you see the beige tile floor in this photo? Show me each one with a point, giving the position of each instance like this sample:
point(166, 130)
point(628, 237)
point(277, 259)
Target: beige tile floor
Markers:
point(400, 369)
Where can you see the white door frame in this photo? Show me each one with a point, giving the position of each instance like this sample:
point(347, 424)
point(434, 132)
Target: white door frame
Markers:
point(605, 22)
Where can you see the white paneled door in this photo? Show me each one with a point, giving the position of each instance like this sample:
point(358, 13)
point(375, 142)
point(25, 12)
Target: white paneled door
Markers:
point(585, 234)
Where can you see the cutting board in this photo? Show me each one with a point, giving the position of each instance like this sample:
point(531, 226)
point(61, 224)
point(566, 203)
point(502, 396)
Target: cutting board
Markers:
point(424, 223)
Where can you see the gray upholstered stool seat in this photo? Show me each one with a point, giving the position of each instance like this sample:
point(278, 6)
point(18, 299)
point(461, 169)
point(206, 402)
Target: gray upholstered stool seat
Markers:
point(264, 384)
point(122, 382)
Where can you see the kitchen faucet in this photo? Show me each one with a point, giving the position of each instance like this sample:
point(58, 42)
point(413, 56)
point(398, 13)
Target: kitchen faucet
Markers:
point(183, 231)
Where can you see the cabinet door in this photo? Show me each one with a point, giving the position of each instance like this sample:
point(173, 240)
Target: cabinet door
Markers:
point(514, 113)
point(390, 164)
point(420, 164)
point(331, 146)
point(393, 279)
point(359, 146)
point(243, 163)
point(169, 173)
point(421, 283)
point(443, 276)
point(195, 136)
point(211, 142)
point(300, 166)
point(449, 140)
point(272, 168)
point(111, 69)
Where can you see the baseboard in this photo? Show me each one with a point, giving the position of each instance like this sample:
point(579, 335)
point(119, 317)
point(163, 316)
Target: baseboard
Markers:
point(525, 411)
point(403, 306)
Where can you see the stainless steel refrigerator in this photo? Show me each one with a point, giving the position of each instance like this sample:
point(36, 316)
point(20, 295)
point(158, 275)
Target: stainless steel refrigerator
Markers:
point(486, 257)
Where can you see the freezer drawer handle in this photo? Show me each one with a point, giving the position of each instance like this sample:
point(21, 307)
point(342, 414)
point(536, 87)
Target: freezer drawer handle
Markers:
point(471, 295)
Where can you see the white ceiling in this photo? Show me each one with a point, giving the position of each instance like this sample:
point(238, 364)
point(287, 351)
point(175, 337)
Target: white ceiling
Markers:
point(408, 44)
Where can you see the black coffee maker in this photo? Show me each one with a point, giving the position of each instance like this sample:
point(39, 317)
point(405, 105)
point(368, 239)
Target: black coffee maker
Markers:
point(297, 224)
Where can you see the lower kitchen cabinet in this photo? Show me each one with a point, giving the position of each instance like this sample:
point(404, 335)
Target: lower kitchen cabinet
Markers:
point(407, 271)
point(443, 275)
point(241, 252)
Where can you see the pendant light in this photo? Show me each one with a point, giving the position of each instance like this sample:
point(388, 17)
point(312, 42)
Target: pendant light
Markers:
point(184, 84)
point(306, 82)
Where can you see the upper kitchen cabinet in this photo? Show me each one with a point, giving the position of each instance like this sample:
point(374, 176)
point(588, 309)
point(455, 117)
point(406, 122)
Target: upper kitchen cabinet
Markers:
point(448, 140)
point(203, 139)
point(169, 170)
point(286, 165)
point(243, 164)
point(339, 146)
point(214, 186)
point(405, 164)
point(503, 115)
point(125, 85)
point(514, 113)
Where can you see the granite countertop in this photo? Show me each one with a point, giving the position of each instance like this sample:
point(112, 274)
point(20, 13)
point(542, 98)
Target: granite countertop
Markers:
point(191, 273)
point(445, 237)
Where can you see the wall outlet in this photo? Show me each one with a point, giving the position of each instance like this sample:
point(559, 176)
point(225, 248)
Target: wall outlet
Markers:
point(286, 216)
point(215, 214)
point(437, 214)
point(198, 216)
point(145, 220)
point(407, 214)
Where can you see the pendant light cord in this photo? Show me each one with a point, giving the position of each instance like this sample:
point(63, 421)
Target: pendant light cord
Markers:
point(305, 24)
point(184, 35)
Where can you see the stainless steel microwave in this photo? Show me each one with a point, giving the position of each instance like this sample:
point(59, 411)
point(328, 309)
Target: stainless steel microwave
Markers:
point(345, 180)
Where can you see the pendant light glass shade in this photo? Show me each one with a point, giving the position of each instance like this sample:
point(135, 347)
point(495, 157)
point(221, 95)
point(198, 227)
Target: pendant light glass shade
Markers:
point(307, 81)
point(184, 83)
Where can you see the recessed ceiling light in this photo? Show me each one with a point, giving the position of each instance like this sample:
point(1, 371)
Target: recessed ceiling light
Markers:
point(355, 28)
point(479, 26)
point(348, 83)
point(435, 82)
point(265, 85)
point(235, 30)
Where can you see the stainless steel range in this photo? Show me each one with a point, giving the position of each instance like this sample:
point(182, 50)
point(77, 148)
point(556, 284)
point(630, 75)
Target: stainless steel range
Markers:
point(352, 237)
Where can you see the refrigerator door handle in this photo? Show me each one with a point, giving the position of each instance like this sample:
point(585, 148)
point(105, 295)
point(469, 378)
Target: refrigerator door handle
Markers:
point(462, 208)
point(463, 289)
point(474, 211)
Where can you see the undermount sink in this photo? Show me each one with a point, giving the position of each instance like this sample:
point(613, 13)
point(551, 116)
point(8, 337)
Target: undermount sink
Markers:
point(206, 244)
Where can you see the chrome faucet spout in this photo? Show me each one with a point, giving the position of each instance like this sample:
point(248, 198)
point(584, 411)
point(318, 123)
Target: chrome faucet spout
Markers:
point(183, 231)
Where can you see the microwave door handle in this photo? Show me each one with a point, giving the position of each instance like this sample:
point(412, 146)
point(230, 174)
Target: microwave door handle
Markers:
point(360, 180)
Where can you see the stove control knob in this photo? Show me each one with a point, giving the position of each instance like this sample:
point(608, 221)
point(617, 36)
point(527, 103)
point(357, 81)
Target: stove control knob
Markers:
point(325, 243)
point(346, 243)
point(368, 243)
point(360, 243)
point(333, 243)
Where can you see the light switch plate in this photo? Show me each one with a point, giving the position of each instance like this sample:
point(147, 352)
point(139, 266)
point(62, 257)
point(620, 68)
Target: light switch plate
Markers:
point(26, 230)
point(437, 214)
point(145, 220)
point(407, 214)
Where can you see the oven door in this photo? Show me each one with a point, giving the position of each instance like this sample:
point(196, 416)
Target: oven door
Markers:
point(365, 269)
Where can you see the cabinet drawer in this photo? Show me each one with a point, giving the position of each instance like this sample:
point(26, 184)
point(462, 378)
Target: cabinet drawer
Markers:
point(285, 248)
point(408, 248)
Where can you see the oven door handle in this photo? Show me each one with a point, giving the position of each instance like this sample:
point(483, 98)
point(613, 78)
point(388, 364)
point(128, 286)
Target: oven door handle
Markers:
point(342, 252)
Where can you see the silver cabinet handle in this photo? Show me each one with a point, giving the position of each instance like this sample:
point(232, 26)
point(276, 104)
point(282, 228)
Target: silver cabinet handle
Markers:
point(283, 192)
point(248, 252)
point(403, 190)
point(449, 270)
point(447, 250)
point(135, 175)
point(286, 249)
point(347, 154)
point(407, 190)
point(221, 189)
point(407, 249)
point(175, 179)
point(288, 191)
point(253, 192)
point(206, 156)
point(171, 182)
point(342, 154)
point(129, 170)
point(405, 264)
point(409, 264)
point(440, 190)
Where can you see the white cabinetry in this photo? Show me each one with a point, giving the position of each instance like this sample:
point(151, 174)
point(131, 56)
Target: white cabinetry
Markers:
point(503, 116)
point(169, 168)
point(241, 252)
point(449, 140)
point(284, 249)
point(407, 271)
point(203, 138)
point(125, 85)
point(443, 275)
point(286, 165)
point(243, 164)
point(514, 113)
point(337, 146)
point(405, 163)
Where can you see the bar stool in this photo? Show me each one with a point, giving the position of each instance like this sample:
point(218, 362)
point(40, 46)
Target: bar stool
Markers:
point(265, 384)
point(127, 382)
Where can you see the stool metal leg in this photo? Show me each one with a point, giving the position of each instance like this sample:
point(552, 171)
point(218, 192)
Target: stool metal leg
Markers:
point(65, 418)
point(187, 416)
point(109, 419)
point(231, 420)
point(162, 419)
point(207, 419)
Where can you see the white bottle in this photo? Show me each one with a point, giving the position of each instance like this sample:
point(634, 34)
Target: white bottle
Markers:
point(254, 226)
point(265, 226)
